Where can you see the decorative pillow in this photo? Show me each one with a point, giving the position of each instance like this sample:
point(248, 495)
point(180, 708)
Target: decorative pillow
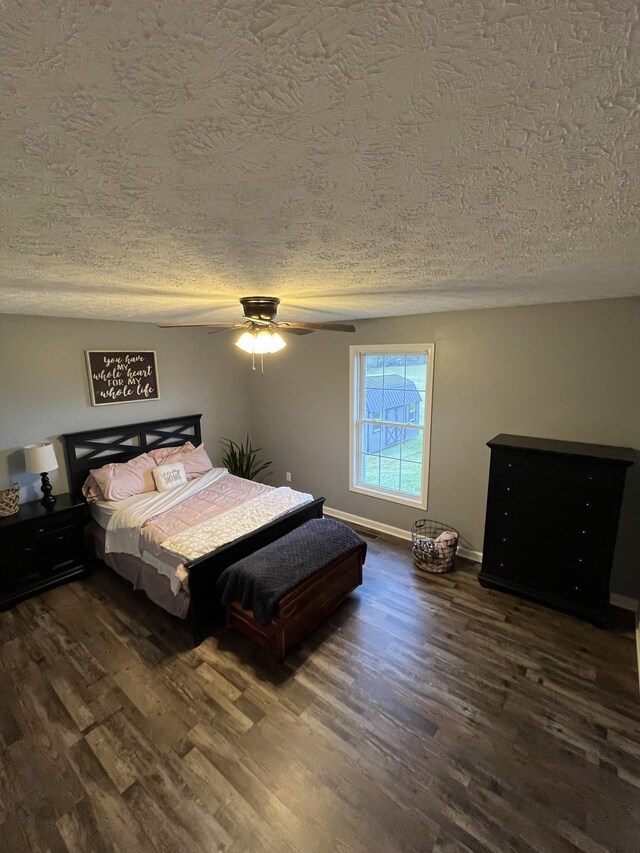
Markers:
point(91, 490)
point(169, 476)
point(170, 454)
point(195, 459)
point(119, 480)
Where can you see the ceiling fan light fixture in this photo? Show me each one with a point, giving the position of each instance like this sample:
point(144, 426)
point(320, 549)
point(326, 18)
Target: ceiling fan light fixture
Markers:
point(276, 341)
point(246, 342)
point(260, 343)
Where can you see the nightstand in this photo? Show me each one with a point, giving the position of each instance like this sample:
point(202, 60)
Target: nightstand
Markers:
point(40, 548)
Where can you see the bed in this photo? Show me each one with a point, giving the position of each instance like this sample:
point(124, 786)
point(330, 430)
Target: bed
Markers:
point(198, 600)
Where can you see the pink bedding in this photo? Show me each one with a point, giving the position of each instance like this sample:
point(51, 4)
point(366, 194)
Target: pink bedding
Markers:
point(226, 493)
point(141, 575)
point(140, 557)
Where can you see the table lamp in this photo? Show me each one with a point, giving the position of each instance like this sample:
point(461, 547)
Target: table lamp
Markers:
point(40, 459)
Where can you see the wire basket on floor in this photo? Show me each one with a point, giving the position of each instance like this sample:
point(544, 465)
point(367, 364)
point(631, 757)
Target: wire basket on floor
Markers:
point(433, 550)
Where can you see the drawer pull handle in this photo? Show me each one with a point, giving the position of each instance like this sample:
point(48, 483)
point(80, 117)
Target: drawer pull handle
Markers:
point(509, 489)
point(583, 531)
point(41, 530)
point(506, 513)
point(504, 538)
point(579, 559)
point(587, 504)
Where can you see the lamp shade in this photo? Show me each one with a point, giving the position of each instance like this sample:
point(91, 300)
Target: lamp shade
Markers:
point(40, 457)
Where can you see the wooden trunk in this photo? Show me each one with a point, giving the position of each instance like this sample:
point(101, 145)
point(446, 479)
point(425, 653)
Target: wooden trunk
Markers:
point(304, 607)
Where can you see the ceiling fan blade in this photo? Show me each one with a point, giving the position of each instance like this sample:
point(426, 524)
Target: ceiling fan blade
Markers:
point(217, 326)
point(327, 327)
point(290, 331)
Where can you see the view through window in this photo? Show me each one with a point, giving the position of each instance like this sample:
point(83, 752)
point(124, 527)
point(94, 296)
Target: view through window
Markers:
point(391, 421)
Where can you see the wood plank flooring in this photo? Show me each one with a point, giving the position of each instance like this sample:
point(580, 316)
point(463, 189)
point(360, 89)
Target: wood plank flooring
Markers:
point(426, 715)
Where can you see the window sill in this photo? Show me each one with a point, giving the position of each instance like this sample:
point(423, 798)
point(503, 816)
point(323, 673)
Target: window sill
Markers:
point(404, 500)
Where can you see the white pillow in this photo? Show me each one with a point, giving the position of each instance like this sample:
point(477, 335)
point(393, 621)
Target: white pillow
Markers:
point(169, 476)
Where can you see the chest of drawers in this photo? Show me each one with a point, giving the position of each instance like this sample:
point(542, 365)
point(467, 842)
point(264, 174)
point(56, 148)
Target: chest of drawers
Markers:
point(552, 520)
point(40, 548)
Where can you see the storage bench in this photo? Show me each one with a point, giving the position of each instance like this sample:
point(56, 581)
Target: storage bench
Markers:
point(279, 594)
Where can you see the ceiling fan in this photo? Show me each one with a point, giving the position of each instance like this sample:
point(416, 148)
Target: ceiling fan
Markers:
point(261, 330)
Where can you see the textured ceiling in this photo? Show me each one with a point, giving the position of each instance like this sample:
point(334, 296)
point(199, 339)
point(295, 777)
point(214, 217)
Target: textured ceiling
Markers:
point(357, 159)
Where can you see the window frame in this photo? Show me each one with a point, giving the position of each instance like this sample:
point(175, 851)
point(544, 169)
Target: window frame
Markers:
point(357, 353)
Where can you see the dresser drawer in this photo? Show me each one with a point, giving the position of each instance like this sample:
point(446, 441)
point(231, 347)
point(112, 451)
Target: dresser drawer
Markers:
point(516, 466)
point(525, 570)
point(550, 471)
point(538, 498)
point(561, 530)
point(44, 527)
point(565, 578)
point(61, 548)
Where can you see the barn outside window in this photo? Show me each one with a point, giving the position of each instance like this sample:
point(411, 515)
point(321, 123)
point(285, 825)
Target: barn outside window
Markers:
point(390, 419)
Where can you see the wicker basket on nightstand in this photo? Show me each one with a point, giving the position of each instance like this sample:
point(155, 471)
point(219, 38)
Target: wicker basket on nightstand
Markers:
point(9, 500)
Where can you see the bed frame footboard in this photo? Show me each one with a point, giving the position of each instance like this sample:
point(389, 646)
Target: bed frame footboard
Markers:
point(206, 613)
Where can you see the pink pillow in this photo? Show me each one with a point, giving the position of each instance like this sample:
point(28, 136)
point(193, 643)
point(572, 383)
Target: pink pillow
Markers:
point(119, 480)
point(91, 490)
point(168, 454)
point(196, 462)
point(195, 459)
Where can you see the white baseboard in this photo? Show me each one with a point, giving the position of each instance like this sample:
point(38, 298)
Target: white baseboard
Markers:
point(368, 523)
point(476, 556)
point(627, 603)
point(622, 601)
point(397, 532)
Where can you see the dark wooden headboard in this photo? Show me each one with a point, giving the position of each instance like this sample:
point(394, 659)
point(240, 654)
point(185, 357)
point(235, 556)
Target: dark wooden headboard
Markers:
point(95, 447)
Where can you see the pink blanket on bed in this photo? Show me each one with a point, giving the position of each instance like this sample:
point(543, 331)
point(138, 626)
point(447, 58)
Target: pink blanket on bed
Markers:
point(222, 495)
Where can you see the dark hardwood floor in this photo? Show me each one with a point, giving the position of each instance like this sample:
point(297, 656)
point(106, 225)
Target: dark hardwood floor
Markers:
point(426, 715)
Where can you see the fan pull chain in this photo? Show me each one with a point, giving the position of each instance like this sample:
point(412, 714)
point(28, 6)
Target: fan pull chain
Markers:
point(253, 362)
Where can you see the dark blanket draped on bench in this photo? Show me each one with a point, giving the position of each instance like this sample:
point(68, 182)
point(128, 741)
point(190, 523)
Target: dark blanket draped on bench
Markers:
point(260, 580)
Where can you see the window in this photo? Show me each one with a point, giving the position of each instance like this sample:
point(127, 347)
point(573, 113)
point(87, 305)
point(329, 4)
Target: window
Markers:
point(390, 421)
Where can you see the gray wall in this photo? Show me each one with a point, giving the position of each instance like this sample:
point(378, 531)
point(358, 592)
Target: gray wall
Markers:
point(565, 371)
point(568, 371)
point(44, 390)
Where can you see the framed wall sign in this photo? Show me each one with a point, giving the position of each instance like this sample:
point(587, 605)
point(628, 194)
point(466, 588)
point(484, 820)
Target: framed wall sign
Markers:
point(122, 377)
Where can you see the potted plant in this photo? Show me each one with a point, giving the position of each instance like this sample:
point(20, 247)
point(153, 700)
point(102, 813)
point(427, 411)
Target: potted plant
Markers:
point(240, 459)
